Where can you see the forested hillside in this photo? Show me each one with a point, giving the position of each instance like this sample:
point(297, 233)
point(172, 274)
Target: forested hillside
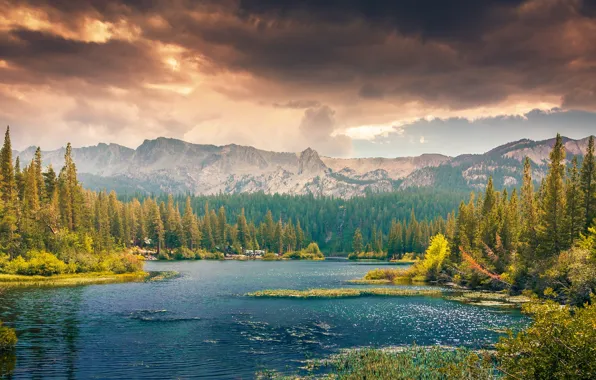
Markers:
point(45, 210)
point(541, 239)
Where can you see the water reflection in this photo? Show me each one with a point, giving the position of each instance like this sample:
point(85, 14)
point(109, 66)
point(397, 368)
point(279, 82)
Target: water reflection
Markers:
point(8, 362)
point(47, 325)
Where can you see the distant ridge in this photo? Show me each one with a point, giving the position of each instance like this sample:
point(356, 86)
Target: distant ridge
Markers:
point(172, 165)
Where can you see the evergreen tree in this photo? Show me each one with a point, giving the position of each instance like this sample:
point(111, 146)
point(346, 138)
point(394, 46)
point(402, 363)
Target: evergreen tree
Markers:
point(221, 226)
point(553, 203)
point(8, 196)
point(357, 241)
point(575, 213)
point(588, 184)
point(528, 233)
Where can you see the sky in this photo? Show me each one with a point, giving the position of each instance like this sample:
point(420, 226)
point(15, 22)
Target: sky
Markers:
point(349, 78)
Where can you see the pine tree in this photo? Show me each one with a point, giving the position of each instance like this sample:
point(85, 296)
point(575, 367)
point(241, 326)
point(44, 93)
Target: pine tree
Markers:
point(588, 184)
point(553, 203)
point(207, 233)
point(357, 241)
point(575, 213)
point(191, 226)
point(528, 233)
point(243, 233)
point(50, 181)
point(39, 180)
point(8, 196)
point(221, 226)
point(300, 240)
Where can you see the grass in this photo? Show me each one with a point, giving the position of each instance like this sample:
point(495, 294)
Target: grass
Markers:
point(14, 280)
point(403, 261)
point(489, 299)
point(161, 276)
point(410, 362)
point(344, 292)
point(361, 281)
point(413, 363)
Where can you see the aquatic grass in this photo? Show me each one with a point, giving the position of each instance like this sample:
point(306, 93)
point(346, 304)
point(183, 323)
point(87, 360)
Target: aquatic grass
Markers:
point(344, 292)
point(13, 280)
point(161, 276)
point(400, 363)
point(369, 282)
point(413, 363)
point(489, 299)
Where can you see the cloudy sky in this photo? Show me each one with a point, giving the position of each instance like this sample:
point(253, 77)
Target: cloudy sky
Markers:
point(346, 77)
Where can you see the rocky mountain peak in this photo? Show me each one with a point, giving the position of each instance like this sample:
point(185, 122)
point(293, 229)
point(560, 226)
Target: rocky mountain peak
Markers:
point(310, 162)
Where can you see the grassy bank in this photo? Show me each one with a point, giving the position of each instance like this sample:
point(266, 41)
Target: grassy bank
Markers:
point(344, 292)
point(12, 280)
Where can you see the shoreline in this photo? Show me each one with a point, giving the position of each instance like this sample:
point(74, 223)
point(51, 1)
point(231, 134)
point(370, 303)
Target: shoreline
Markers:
point(91, 278)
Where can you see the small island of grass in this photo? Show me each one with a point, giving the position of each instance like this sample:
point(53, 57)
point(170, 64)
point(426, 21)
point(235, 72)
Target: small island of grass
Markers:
point(8, 338)
point(344, 292)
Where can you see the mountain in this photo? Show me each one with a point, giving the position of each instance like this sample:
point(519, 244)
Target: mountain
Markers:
point(170, 165)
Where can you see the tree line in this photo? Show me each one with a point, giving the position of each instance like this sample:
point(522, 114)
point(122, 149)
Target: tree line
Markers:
point(44, 210)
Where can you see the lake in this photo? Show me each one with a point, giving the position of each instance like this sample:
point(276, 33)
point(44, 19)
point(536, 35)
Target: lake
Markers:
point(201, 325)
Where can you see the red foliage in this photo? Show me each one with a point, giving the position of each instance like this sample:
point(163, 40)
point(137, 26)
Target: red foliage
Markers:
point(474, 264)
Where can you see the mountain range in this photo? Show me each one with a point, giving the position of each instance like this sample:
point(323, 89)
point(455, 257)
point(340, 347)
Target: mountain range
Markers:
point(171, 165)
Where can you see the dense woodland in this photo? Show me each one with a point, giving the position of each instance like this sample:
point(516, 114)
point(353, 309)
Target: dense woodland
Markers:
point(45, 210)
point(540, 239)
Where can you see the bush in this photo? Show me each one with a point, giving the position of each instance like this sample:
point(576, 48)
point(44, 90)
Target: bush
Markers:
point(558, 345)
point(8, 338)
point(45, 264)
point(270, 256)
point(40, 263)
point(367, 256)
point(312, 252)
point(121, 263)
point(385, 274)
point(184, 253)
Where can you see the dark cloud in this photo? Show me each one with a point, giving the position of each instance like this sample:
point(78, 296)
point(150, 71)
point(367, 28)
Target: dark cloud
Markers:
point(456, 54)
point(44, 57)
point(353, 56)
point(370, 91)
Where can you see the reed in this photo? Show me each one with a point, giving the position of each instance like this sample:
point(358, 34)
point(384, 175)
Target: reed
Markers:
point(344, 292)
point(13, 280)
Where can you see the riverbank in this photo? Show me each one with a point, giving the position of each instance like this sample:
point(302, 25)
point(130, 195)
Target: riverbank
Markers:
point(13, 280)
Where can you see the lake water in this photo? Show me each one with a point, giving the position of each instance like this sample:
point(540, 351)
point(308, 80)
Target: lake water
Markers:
point(201, 326)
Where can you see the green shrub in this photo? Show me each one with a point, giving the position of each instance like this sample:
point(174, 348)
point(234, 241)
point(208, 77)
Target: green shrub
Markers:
point(573, 276)
point(184, 253)
point(560, 344)
point(8, 338)
point(367, 256)
point(40, 263)
point(270, 256)
point(45, 264)
point(121, 263)
point(312, 252)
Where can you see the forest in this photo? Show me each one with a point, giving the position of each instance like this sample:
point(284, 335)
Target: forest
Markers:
point(45, 211)
point(539, 239)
